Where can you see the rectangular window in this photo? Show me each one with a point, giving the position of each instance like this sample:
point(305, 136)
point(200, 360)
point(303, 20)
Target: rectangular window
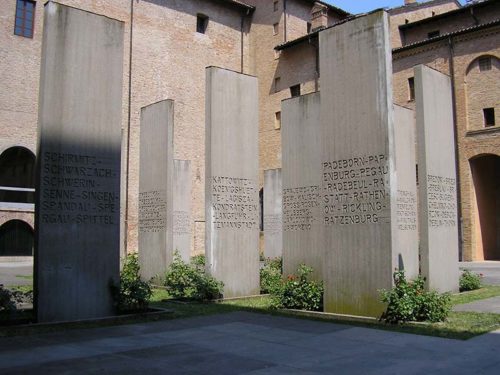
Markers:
point(277, 81)
point(433, 34)
point(276, 28)
point(201, 23)
point(275, 5)
point(484, 63)
point(25, 18)
point(277, 120)
point(489, 117)
point(295, 91)
point(411, 88)
point(309, 27)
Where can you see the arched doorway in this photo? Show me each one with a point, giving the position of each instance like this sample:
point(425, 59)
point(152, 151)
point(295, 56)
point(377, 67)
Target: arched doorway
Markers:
point(486, 179)
point(16, 239)
point(17, 175)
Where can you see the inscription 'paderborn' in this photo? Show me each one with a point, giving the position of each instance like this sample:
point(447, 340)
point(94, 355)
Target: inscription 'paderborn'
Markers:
point(355, 190)
point(74, 189)
point(152, 211)
point(234, 203)
point(441, 200)
point(298, 207)
point(406, 210)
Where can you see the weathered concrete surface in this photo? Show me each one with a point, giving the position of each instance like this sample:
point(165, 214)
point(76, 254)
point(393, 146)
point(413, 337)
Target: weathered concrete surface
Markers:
point(273, 214)
point(437, 179)
point(301, 173)
point(405, 254)
point(246, 343)
point(156, 188)
point(77, 245)
point(231, 172)
point(358, 176)
point(182, 219)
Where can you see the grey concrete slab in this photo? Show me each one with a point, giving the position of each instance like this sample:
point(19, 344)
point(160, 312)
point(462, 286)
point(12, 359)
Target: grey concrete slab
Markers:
point(359, 176)
point(490, 305)
point(489, 269)
point(231, 181)
point(156, 169)
point(242, 343)
point(183, 220)
point(437, 179)
point(273, 213)
point(77, 210)
point(301, 143)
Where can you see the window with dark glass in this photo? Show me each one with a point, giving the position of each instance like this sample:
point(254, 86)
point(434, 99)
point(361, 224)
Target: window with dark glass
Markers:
point(489, 116)
point(484, 63)
point(295, 91)
point(309, 27)
point(411, 88)
point(275, 6)
point(201, 23)
point(25, 18)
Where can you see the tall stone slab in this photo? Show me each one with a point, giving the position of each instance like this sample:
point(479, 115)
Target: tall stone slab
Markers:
point(182, 208)
point(406, 246)
point(156, 168)
point(359, 181)
point(77, 215)
point(437, 179)
point(273, 217)
point(301, 172)
point(231, 190)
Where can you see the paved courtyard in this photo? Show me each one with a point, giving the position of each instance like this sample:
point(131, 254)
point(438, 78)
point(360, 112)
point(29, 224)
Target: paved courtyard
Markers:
point(246, 343)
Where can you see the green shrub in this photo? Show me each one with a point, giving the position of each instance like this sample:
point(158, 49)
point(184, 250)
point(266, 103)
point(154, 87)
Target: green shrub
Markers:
point(469, 281)
point(297, 292)
point(189, 281)
point(132, 294)
point(408, 301)
point(7, 300)
point(270, 275)
point(198, 261)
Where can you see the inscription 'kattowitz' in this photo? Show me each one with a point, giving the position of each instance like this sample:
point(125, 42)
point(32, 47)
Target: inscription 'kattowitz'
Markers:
point(355, 190)
point(234, 203)
point(75, 189)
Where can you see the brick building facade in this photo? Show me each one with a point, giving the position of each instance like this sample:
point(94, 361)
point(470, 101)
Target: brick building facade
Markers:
point(165, 57)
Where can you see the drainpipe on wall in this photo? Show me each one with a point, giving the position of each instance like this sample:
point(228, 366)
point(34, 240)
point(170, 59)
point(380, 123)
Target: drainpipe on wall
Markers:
point(285, 38)
point(127, 168)
point(455, 133)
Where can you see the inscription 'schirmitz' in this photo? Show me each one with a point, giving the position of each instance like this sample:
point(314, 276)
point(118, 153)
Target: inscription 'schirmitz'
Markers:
point(152, 211)
point(442, 207)
point(355, 190)
point(406, 213)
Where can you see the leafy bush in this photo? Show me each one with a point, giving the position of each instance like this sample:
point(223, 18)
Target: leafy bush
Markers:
point(7, 300)
point(132, 294)
point(198, 261)
point(189, 281)
point(270, 275)
point(297, 292)
point(408, 301)
point(469, 281)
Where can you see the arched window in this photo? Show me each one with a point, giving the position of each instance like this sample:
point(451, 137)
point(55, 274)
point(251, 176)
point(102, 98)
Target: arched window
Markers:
point(16, 239)
point(17, 175)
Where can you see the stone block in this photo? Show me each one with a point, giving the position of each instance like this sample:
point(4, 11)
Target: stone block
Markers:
point(273, 217)
point(182, 220)
point(77, 212)
point(231, 172)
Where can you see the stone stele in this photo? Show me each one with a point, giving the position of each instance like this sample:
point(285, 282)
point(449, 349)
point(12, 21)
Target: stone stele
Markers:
point(437, 179)
point(182, 208)
point(77, 215)
point(359, 184)
point(156, 168)
point(231, 189)
point(273, 233)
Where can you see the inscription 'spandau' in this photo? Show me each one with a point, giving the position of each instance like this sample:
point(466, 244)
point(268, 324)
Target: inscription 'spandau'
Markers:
point(441, 200)
point(298, 207)
point(181, 224)
point(74, 189)
point(234, 203)
point(152, 211)
point(355, 190)
point(406, 212)
point(273, 223)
